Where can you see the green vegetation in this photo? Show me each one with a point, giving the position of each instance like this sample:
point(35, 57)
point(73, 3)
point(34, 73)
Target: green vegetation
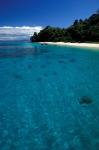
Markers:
point(81, 31)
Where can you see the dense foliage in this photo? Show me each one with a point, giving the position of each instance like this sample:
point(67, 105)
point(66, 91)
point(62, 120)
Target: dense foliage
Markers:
point(81, 31)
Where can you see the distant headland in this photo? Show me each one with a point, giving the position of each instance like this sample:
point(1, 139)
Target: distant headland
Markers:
point(82, 31)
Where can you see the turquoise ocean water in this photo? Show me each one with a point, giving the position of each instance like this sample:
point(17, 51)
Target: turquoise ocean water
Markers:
point(49, 97)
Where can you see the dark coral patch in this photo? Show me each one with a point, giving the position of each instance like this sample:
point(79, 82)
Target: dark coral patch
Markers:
point(88, 67)
point(61, 62)
point(48, 57)
point(29, 66)
point(72, 60)
point(39, 79)
point(85, 100)
point(45, 74)
point(51, 140)
point(44, 51)
point(43, 66)
point(54, 73)
point(17, 76)
point(48, 63)
point(63, 56)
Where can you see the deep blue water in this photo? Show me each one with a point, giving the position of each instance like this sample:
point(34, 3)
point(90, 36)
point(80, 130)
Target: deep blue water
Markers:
point(41, 97)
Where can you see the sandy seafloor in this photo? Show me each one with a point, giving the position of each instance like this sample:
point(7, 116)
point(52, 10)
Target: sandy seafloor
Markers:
point(41, 91)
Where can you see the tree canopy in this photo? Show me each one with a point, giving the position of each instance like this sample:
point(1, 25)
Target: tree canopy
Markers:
point(80, 31)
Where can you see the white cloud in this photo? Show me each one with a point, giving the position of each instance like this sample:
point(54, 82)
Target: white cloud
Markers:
point(12, 33)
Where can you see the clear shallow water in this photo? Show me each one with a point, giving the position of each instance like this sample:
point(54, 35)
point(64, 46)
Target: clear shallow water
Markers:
point(41, 88)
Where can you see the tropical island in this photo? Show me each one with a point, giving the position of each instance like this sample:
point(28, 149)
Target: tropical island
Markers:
point(81, 31)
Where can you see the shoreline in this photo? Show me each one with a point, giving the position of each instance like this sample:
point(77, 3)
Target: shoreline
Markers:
point(83, 45)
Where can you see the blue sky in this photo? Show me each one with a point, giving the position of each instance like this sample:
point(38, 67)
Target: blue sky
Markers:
point(45, 12)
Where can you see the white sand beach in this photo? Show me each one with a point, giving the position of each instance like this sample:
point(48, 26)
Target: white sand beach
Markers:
point(86, 45)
